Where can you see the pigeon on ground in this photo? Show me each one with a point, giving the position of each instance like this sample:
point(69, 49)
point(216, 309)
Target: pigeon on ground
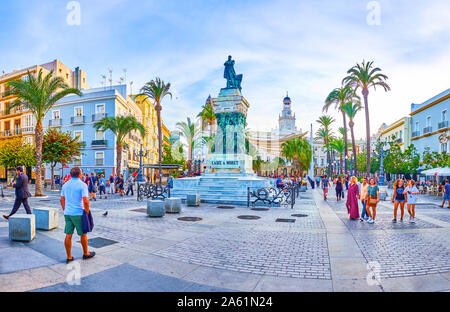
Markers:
point(105, 214)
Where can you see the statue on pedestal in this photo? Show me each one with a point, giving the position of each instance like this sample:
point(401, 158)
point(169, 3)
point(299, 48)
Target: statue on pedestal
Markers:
point(233, 80)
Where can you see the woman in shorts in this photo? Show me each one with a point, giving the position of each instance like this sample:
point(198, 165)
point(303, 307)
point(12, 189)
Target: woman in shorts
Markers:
point(411, 192)
point(399, 199)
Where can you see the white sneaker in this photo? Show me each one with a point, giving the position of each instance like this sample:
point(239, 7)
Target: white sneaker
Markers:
point(413, 220)
point(371, 220)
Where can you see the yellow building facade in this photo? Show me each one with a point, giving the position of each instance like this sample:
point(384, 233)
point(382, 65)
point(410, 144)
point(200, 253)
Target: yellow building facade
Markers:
point(150, 141)
point(19, 122)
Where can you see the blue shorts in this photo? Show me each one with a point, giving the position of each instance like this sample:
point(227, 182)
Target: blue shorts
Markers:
point(447, 196)
point(399, 200)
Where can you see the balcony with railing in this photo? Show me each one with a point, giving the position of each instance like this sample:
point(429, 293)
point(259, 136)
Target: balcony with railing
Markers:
point(427, 130)
point(98, 143)
point(55, 122)
point(399, 141)
point(10, 133)
point(415, 134)
point(99, 116)
point(6, 93)
point(12, 111)
point(77, 120)
point(443, 124)
point(28, 130)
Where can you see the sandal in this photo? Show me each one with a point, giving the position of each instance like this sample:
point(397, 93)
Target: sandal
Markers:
point(91, 254)
point(69, 260)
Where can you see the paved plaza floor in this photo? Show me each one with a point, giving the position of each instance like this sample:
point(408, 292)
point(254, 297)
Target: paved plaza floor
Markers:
point(317, 248)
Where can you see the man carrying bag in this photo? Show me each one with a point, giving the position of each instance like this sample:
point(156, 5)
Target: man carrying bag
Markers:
point(75, 202)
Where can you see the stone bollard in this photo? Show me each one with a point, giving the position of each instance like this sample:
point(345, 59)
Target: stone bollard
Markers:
point(22, 227)
point(46, 218)
point(173, 205)
point(193, 199)
point(156, 208)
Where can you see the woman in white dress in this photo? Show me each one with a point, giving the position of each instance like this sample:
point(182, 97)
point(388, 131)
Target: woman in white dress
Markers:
point(411, 192)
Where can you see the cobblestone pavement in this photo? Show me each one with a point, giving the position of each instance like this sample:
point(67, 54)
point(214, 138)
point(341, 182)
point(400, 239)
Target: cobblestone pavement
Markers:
point(320, 250)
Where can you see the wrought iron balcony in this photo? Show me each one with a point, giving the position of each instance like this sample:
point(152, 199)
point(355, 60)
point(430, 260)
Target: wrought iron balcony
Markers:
point(415, 134)
point(12, 111)
point(6, 93)
point(55, 123)
point(99, 116)
point(427, 130)
point(99, 143)
point(28, 130)
point(77, 120)
point(399, 141)
point(443, 124)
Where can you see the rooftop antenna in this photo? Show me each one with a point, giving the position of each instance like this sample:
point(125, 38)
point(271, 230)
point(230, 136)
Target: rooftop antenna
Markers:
point(125, 75)
point(104, 80)
point(131, 87)
point(120, 80)
point(110, 77)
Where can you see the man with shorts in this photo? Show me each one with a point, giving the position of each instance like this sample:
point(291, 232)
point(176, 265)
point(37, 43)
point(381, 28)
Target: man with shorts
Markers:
point(446, 189)
point(74, 199)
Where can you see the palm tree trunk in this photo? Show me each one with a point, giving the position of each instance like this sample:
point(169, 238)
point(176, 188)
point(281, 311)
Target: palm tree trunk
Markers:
point(39, 138)
point(365, 93)
point(345, 139)
point(119, 149)
point(353, 146)
point(158, 116)
point(53, 176)
point(340, 164)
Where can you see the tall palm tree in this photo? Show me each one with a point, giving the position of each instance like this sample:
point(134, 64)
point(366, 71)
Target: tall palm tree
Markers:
point(191, 133)
point(350, 110)
point(39, 94)
point(207, 115)
point(156, 90)
point(338, 97)
point(120, 126)
point(339, 146)
point(325, 121)
point(364, 77)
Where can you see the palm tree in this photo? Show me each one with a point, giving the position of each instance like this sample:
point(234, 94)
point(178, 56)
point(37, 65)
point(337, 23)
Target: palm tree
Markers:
point(364, 76)
point(339, 146)
point(156, 90)
point(298, 151)
point(191, 133)
point(120, 126)
point(207, 115)
point(325, 121)
point(338, 97)
point(39, 94)
point(350, 110)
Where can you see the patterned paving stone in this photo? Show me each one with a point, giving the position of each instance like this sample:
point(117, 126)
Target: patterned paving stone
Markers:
point(406, 254)
point(277, 253)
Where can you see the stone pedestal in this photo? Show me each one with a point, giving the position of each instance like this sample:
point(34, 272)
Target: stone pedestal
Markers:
point(46, 218)
point(172, 205)
point(193, 199)
point(383, 192)
point(22, 227)
point(156, 208)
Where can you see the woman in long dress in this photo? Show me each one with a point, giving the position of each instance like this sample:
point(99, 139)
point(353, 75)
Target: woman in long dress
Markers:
point(352, 198)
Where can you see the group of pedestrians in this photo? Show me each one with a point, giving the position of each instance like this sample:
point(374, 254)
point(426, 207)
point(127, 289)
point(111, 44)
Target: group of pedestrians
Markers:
point(405, 193)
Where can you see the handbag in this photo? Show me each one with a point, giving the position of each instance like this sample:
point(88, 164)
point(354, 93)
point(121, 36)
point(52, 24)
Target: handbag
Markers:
point(372, 201)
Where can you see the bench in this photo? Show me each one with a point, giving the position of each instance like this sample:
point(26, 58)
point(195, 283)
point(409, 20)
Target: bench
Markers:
point(193, 199)
point(22, 227)
point(172, 205)
point(156, 208)
point(46, 218)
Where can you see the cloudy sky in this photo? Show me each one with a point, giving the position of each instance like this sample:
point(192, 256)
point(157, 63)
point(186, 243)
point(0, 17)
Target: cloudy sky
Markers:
point(304, 47)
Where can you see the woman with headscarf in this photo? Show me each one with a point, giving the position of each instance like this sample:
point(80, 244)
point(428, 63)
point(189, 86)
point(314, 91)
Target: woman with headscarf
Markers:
point(352, 198)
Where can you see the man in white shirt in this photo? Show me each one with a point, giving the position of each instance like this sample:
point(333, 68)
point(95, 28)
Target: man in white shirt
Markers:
point(74, 199)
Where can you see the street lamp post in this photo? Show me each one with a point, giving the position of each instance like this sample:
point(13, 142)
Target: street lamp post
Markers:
point(141, 154)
